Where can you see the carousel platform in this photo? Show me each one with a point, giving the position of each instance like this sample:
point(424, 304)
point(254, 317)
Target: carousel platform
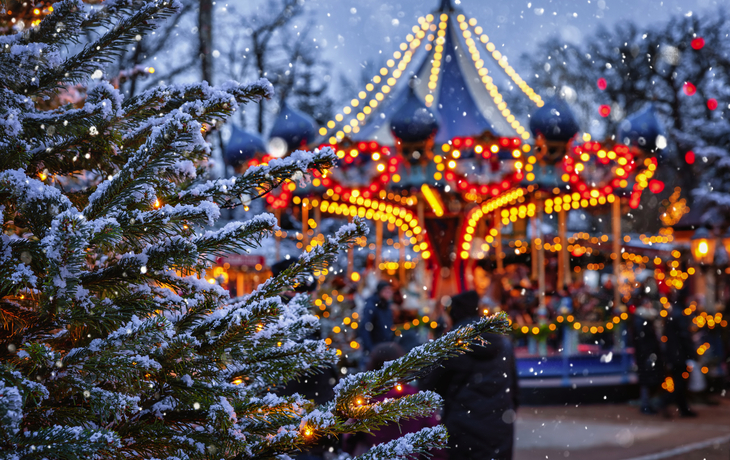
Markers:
point(589, 375)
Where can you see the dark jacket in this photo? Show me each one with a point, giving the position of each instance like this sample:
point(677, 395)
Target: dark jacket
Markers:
point(680, 346)
point(648, 353)
point(361, 442)
point(377, 323)
point(480, 399)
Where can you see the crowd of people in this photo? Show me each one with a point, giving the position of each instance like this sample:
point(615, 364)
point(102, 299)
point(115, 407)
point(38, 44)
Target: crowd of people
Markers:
point(480, 388)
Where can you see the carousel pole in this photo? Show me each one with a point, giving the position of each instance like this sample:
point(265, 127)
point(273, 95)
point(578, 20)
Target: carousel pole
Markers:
point(305, 222)
point(533, 248)
point(564, 262)
point(277, 237)
point(378, 246)
point(317, 216)
point(422, 272)
point(616, 226)
point(402, 256)
point(498, 248)
point(540, 257)
point(350, 255)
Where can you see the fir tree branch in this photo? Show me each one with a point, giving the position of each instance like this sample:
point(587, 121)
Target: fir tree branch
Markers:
point(410, 446)
point(258, 180)
point(414, 364)
point(109, 46)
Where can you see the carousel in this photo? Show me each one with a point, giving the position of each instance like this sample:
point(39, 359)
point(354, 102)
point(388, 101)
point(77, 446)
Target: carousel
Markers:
point(462, 196)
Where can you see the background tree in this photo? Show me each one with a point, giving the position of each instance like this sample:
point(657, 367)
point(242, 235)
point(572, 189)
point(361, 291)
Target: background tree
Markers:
point(276, 44)
point(112, 343)
point(682, 66)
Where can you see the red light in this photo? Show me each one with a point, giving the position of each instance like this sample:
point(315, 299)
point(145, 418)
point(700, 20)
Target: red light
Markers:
point(384, 178)
point(698, 43)
point(516, 142)
point(689, 157)
point(504, 142)
point(604, 110)
point(469, 142)
point(495, 191)
point(362, 146)
point(484, 189)
point(457, 142)
point(602, 83)
point(712, 104)
point(349, 160)
point(505, 184)
point(450, 176)
point(689, 88)
point(373, 145)
point(338, 189)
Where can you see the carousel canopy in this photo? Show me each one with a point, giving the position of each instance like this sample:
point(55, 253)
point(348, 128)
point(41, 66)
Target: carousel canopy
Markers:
point(642, 129)
point(555, 121)
point(243, 146)
point(451, 78)
point(296, 128)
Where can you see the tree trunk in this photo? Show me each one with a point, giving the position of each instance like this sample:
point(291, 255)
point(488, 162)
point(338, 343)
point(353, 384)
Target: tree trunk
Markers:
point(260, 66)
point(205, 34)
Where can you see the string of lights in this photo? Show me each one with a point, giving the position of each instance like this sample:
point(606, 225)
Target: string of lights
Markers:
point(404, 55)
point(501, 59)
point(489, 83)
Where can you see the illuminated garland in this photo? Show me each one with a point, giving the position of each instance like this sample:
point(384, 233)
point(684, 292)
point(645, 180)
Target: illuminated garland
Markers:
point(408, 47)
point(487, 80)
point(569, 321)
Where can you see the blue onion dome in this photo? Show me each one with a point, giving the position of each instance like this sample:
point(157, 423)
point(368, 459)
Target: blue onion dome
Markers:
point(555, 121)
point(242, 146)
point(294, 127)
point(413, 121)
point(643, 129)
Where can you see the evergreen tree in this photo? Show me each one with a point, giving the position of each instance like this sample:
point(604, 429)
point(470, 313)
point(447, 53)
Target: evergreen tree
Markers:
point(682, 66)
point(112, 344)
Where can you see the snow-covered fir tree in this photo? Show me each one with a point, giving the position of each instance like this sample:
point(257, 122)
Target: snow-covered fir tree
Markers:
point(681, 66)
point(112, 344)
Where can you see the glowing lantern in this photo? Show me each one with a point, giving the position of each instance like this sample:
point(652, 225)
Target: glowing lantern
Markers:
point(698, 43)
point(602, 84)
point(689, 89)
point(656, 186)
point(712, 104)
point(689, 157)
point(703, 246)
point(604, 110)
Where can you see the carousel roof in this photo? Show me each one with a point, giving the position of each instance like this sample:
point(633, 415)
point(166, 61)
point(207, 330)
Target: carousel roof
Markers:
point(296, 128)
point(555, 121)
point(413, 121)
point(451, 78)
point(642, 129)
point(243, 146)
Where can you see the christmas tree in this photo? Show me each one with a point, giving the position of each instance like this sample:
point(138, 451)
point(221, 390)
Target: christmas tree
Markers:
point(113, 345)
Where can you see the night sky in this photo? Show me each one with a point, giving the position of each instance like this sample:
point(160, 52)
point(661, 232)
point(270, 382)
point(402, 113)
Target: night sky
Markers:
point(353, 31)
